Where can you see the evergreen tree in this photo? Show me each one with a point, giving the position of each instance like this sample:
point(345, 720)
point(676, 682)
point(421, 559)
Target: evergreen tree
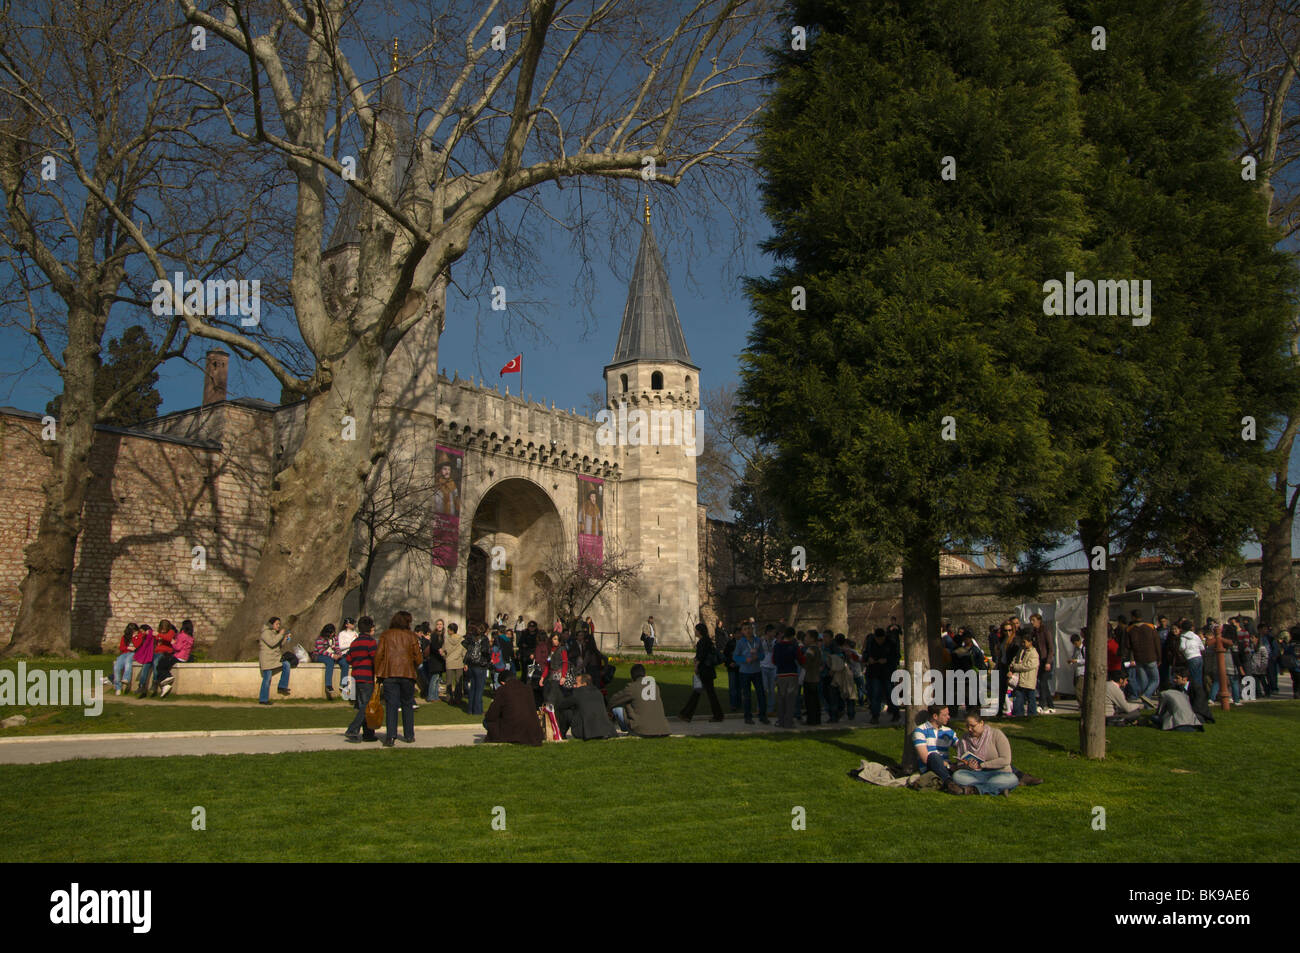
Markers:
point(128, 355)
point(892, 364)
point(1154, 416)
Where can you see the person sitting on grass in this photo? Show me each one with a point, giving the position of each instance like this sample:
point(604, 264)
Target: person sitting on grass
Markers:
point(583, 710)
point(638, 707)
point(932, 738)
point(1183, 708)
point(361, 656)
point(985, 759)
point(1118, 709)
point(512, 716)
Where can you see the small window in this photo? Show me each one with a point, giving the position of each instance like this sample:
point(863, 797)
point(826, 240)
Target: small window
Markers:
point(623, 378)
point(688, 383)
point(657, 380)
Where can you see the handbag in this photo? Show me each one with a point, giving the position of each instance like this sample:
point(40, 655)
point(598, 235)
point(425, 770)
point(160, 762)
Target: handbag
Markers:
point(1013, 680)
point(290, 658)
point(696, 684)
point(375, 710)
point(550, 727)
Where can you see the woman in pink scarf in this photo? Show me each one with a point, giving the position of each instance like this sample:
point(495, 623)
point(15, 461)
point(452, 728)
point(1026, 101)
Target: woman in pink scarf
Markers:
point(985, 758)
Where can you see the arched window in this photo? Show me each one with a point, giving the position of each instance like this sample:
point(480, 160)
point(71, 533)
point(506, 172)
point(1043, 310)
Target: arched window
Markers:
point(657, 380)
point(623, 378)
point(688, 384)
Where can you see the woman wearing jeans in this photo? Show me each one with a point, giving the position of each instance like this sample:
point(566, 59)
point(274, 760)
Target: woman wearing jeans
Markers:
point(985, 758)
point(269, 649)
point(1025, 668)
point(144, 658)
point(131, 640)
point(396, 659)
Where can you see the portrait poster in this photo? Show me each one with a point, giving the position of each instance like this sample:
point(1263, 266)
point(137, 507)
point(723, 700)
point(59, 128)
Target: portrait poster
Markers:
point(591, 519)
point(448, 470)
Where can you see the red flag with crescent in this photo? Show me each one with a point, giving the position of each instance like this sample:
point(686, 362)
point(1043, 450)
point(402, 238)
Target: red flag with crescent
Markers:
point(516, 365)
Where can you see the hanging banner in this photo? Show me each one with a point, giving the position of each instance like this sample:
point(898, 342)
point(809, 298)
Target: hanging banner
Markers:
point(448, 469)
point(591, 519)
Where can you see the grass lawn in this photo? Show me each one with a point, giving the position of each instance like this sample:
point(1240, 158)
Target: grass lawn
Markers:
point(162, 714)
point(1183, 797)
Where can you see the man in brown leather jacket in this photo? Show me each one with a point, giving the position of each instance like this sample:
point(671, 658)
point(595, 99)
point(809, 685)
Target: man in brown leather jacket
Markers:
point(396, 660)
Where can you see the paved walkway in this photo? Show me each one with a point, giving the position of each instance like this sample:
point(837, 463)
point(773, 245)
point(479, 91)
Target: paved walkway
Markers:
point(44, 749)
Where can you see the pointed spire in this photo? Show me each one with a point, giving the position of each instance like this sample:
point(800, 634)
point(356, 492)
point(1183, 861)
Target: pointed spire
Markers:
point(651, 330)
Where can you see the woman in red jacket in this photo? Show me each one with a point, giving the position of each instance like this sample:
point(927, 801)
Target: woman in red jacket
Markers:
point(162, 655)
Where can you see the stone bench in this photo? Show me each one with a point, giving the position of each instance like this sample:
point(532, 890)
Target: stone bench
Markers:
point(244, 679)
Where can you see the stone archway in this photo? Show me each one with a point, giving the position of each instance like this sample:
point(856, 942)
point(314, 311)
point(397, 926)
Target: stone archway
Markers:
point(518, 516)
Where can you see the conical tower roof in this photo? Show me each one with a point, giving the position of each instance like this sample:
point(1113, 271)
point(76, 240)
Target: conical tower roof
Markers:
point(651, 330)
point(392, 110)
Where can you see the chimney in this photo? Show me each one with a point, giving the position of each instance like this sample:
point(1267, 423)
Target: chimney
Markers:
point(214, 376)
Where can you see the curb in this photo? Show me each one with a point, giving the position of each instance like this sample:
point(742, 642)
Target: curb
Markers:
point(231, 733)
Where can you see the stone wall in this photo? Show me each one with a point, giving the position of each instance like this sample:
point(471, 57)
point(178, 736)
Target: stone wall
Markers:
point(155, 497)
point(974, 599)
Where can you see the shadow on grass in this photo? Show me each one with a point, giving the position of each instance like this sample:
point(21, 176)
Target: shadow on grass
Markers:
point(833, 738)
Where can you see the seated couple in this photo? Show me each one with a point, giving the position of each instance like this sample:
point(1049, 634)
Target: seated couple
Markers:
point(1185, 707)
point(638, 709)
point(982, 762)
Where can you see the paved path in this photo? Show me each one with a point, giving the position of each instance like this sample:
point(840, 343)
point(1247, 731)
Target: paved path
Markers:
point(43, 749)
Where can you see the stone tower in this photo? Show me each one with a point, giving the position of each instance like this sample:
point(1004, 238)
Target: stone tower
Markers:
point(652, 391)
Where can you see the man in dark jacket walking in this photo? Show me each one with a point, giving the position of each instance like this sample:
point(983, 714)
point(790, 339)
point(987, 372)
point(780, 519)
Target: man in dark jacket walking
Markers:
point(512, 718)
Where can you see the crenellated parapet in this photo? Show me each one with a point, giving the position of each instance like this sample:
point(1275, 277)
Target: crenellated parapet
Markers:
point(483, 418)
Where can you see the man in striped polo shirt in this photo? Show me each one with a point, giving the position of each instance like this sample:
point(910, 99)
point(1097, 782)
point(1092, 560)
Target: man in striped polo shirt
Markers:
point(361, 656)
point(932, 739)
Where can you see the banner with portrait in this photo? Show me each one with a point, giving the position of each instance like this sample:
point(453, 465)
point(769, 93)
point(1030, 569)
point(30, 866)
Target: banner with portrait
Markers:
point(591, 519)
point(448, 471)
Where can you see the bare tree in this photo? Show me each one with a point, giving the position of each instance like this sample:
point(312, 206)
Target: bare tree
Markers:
point(98, 133)
point(575, 582)
point(725, 452)
point(1262, 53)
point(509, 100)
point(397, 516)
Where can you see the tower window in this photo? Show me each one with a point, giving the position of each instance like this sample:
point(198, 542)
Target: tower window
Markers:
point(623, 378)
point(657, 380)
point(688, 383)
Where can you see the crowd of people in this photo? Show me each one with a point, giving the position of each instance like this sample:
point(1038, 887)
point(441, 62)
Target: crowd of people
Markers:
point(156, 652)
point(539, 679)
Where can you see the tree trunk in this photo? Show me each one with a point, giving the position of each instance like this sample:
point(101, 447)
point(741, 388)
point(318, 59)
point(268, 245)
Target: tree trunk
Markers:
point(839, 595)
point(1209, 592)
point(304, 572)
point(1278, 599)
point(934, 615)
point(1092, 708)
point(920, 580)
point(44, 622)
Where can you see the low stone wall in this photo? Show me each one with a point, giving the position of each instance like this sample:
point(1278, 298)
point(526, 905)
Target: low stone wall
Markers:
point(244, 679)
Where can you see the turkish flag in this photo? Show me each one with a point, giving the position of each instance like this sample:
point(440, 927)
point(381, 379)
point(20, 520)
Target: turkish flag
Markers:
point(516, 365)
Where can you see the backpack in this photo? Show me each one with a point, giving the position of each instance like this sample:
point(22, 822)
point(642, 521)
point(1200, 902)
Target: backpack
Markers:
point(497, 663)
